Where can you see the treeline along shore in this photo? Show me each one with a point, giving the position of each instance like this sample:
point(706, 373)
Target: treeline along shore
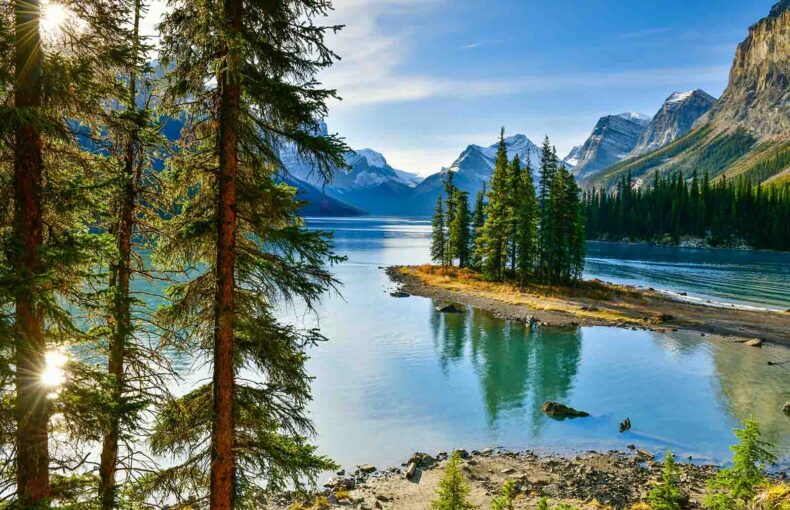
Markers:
point(590, 303)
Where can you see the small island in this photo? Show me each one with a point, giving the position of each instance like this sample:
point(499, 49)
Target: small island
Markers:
point(591, 303)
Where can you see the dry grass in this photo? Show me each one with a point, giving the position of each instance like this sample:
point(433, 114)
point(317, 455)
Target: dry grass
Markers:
point(593, 289)
point(594, 300)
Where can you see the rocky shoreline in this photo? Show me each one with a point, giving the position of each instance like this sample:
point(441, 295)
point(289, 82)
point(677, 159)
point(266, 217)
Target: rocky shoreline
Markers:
point(609, 305)
point(588, 481)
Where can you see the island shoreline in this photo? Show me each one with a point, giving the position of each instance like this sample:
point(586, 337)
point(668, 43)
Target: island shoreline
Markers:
point(612, 305)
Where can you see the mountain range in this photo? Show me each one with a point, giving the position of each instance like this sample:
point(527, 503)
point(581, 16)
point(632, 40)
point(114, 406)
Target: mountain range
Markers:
point(744, 133)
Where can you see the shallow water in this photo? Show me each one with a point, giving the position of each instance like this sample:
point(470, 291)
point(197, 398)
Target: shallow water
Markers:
point(396, 376)
point(748, 278)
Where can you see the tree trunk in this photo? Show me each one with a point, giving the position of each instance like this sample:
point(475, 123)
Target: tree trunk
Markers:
point(222, 454)
point(32, 407)
point(120, 277)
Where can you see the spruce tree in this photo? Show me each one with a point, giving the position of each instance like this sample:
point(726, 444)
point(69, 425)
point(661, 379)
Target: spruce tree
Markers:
point(496, 229)
point(439, 237)
point(478, 220)
point(546, 230)
point(137, 369)
point(514, 198)
point(32, 409)
point(458, 235)
point(526, 223)
point(243, 97)
point(50, 257)
point(453, 491)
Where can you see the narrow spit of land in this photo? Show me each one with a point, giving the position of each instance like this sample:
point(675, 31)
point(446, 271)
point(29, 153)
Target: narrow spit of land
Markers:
point(591, 303)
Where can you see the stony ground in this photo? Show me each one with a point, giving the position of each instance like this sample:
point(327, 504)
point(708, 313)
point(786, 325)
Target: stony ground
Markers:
point(588, 481)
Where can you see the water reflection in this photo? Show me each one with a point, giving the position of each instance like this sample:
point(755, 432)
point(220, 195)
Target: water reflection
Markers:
point(752, 388)
point(518, 368)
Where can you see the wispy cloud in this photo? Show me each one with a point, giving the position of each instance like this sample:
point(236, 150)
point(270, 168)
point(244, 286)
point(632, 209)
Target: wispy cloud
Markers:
point(392, 87)
point(480, 44)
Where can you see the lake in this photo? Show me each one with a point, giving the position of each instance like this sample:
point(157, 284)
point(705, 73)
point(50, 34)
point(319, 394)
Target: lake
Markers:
point(396, 376)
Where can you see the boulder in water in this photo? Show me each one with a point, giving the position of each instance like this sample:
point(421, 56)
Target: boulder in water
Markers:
point(786, 408)
point(557, 410)
point(449, 308)
point(754, 342)
point(400, 294)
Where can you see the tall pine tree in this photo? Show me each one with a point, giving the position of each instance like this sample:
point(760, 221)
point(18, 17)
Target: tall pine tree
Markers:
point(243, 96)
point(496, 229)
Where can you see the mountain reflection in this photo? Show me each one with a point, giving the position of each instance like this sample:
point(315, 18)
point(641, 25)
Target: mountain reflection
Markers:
point(518, 369)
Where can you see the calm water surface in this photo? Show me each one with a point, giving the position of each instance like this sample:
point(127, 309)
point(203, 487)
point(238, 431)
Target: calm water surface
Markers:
point(396, 376)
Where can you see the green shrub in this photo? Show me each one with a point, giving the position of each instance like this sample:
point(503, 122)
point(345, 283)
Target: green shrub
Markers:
point(505, 500)
point(453, 488)
point(667, 495)
point(732, 488)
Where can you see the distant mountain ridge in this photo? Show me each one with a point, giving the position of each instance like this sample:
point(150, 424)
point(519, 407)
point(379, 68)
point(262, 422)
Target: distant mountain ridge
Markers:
point(746, 132)
point(612, 139)
point(674, 119)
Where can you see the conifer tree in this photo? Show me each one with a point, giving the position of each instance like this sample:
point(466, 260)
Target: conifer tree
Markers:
point(32, 409)
point(439, 238)
point(243, 73)
point(137, 367)
point(478, 220)
point(546, 230)
point(526, 222)
point(453, 492)
point(667, 495)
point(514, 197)
point(458, 235)
point(496, 229)
point(49, 255)
point(734, 486)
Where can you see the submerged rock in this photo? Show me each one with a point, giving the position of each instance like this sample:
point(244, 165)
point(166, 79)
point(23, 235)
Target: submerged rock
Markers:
point(754, 342)
point(557, 410)
point(786, 408)
point(449, 308)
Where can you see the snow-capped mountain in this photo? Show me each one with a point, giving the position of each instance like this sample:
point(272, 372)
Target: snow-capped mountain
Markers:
point(674, 119)
point(612, 139)
point(473, 167)
point(369, 183)
point(572, 159)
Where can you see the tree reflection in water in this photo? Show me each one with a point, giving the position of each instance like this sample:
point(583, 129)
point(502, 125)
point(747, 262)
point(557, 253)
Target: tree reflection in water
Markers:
point(518, 368)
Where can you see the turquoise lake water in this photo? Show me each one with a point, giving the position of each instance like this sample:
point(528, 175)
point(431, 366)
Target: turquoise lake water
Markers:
point(396, 376)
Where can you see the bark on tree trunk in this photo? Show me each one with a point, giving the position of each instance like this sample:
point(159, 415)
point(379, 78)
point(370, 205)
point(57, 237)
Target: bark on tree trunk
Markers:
point(222, 454)
point(32, 408)
point(120, 277)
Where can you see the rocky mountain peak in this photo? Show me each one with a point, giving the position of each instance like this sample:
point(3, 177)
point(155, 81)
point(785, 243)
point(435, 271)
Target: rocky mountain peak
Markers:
point(674, 119)
point(757, 96)
point(779, 8)
point(613, 137)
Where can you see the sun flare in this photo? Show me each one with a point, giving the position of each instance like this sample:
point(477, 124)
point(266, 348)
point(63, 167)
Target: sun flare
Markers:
point(53, 18)
point(53, 375)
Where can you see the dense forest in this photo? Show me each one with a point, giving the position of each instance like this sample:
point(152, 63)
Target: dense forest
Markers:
point(96, 198)
point(722, 213)
point(514, 233)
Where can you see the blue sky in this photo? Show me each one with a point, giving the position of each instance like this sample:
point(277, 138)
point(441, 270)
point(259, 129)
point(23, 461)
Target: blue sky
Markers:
point(421, 79)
